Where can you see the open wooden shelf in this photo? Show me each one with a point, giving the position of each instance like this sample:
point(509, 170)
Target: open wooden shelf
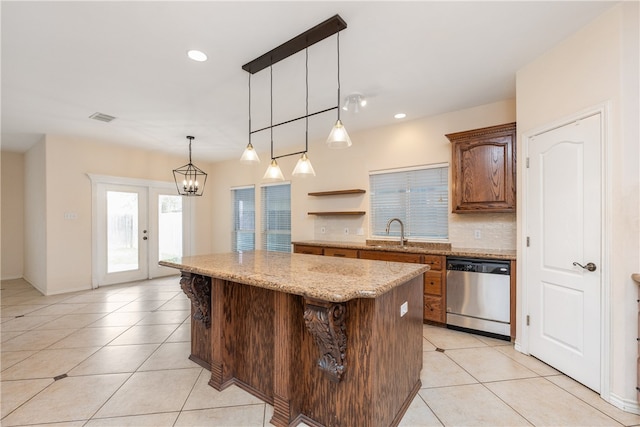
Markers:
point(337, 192)
point(337, 213)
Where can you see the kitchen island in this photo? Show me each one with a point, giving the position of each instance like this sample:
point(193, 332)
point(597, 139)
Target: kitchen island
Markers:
point(326, 341)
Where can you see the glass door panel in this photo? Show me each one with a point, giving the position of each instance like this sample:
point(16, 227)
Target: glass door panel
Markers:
point(122, 231)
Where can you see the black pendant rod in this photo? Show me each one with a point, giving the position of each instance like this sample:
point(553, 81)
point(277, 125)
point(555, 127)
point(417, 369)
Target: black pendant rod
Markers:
point(296, 44)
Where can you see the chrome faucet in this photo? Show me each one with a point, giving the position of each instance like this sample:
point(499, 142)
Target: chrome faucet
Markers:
point(402, 240)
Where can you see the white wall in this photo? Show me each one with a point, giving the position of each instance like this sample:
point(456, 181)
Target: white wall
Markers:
point(58, 251)
point(35, 217)
point(600, 64)
point(409, 143)
point(12, 215)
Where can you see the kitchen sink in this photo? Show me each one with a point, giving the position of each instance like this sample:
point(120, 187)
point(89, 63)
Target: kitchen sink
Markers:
point(408, 245)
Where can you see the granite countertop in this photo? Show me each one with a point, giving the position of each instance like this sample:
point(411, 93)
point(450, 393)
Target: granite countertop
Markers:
point(311, 276)
point(416, 247)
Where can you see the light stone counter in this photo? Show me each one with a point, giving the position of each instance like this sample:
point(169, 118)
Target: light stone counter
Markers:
point(416, 247)
point(317, 277)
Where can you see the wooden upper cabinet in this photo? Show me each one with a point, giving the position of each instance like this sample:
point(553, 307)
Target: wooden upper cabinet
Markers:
point(484, 169)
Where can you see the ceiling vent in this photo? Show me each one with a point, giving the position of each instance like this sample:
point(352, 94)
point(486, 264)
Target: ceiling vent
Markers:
point(102, 117)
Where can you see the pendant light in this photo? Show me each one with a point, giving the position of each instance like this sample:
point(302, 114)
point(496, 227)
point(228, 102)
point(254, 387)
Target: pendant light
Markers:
point(190, 179)
point(273, 172)
point(250, 156)
point(304, 168)
point(338, 138)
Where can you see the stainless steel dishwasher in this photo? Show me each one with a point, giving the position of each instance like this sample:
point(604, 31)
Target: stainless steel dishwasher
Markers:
point(479, 296)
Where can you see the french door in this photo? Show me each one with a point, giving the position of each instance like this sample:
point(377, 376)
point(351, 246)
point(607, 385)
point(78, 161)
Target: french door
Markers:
point(135, 226)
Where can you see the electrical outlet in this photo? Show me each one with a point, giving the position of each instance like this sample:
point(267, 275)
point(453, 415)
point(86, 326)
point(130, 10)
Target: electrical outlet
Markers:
point(404, 308)
point(477, 234)
point(70, 216)
point(323, 230)
point(346, 230)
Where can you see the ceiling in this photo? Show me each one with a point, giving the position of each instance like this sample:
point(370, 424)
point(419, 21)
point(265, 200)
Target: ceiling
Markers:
point(64, 61)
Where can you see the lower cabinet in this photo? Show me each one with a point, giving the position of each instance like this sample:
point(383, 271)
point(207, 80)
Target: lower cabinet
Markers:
point(434, 298)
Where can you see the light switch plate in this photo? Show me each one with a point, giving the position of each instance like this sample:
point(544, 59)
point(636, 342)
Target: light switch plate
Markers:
point(404, 308)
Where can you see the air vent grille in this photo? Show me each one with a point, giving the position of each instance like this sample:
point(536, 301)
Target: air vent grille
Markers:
point(102, 117)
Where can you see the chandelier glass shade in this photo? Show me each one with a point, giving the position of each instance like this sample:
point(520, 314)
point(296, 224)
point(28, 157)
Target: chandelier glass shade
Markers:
point(190, 179)
point(338, 137)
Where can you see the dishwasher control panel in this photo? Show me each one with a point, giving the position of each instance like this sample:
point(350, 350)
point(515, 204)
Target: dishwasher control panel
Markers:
point(478, 265)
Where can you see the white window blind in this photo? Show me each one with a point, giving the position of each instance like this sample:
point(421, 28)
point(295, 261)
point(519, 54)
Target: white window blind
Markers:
point(418, 196)
point(276, 218)
point(243, 236)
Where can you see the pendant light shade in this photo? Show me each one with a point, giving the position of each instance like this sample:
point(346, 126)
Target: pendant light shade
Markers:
point(250, 156)
point(303, 168)
point(338, 138)
point(190, 179)
point(273, 172)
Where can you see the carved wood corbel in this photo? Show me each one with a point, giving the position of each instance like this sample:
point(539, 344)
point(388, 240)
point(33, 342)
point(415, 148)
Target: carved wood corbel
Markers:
point(326, 323)
point(198, 289)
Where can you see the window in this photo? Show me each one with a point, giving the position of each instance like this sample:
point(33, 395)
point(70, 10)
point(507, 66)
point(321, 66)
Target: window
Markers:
point(276, 218)
point(243, 236)
point(418, 196)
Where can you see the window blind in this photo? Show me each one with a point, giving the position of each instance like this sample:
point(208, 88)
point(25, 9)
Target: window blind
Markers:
point(243, 236)
point(418, 196)
point(276, 218)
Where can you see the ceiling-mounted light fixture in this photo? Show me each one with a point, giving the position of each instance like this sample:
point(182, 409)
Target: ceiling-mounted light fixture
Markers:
point(197, 55)
point(320, 32)
point(338, 137)
point(190, 179)
point(354, 102)
point(273, 172)
point(249, 156)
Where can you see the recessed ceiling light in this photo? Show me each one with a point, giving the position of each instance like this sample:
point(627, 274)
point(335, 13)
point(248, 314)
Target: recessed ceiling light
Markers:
point(197, 55)
point(400, 116)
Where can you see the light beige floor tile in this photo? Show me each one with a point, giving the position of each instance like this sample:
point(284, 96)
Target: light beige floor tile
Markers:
point(449, 339)
point(493, 342)
point(36, 339)
point(153, 420)
point(149, 305)
point(245, 416)
point(115, 359)
point(165, 317)
point(26, 323)
point(159, 295)
point(268, 414)
point(145, 334)
point(90, 337)
point(69, 399)
point(592, 398)
point(203, 396)
point(470, 405)
point(119, 319)
point(438, 370)
point(419, 415)
point(15, 393)
point(57, 309)
point(176, 304)
point(545, 404)
point(19, 310)
point(68, 321)
point(48, 363)
point(427, 346)
point(488, 364)
point(183, 333)
point(151, 392)
point(169, 356)
point(530, 362)
point(9, 335)
point(10, 358)
point(100, 307)
point(62, 424)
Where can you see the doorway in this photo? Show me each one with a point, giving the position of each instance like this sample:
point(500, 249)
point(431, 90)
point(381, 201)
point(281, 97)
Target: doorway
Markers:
point(564, 262)
point(136, 224)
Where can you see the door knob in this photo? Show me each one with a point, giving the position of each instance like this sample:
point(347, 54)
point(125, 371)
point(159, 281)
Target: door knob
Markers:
point(590, 266)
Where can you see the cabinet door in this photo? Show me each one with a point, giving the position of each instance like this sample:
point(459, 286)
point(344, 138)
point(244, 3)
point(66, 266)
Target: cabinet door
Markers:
point(483, 170)
point(340, 252)
point(433, 283)
point(433, 309)
point(310, 250)
point(391, 256)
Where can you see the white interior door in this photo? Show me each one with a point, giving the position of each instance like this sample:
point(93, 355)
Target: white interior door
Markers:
point(122, 233)
point(563, 211)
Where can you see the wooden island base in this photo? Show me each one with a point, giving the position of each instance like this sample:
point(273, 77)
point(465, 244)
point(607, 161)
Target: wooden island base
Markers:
point(352, 363)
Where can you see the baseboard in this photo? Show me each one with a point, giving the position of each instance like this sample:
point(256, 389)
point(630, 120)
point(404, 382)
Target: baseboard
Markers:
point(11, 278)
point(626, 405)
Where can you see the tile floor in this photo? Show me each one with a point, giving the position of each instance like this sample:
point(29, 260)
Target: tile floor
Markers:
point(117, 356)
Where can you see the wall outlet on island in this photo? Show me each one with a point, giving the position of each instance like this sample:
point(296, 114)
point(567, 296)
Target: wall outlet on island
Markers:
point(404, 308)
point(346, 230)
